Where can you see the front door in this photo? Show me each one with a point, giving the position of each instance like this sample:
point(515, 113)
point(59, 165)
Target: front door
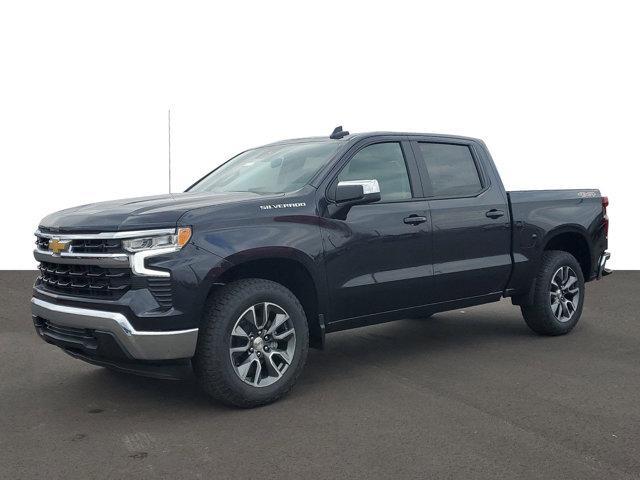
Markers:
point(378, 258)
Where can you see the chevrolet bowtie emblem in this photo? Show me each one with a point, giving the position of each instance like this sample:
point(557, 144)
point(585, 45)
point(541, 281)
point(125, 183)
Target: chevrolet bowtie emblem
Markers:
point(56, 245)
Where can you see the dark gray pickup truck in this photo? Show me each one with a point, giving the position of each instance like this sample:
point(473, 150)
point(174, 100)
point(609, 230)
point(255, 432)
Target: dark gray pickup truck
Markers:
point(284, 243)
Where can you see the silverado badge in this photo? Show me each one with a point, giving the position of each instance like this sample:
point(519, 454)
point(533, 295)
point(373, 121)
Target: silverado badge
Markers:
point(56, 245)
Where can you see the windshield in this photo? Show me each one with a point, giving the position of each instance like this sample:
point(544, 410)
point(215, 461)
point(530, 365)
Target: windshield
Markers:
point(271, 169)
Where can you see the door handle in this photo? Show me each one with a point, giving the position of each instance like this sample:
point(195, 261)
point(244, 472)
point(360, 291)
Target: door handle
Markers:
point(414, 220)
point(494, 213)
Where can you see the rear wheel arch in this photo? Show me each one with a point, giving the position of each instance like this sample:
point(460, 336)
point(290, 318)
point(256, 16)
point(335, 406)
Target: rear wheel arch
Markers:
point(573, 241)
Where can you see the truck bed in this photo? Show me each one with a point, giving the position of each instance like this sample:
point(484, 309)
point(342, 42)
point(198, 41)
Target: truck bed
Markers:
point(538, 215)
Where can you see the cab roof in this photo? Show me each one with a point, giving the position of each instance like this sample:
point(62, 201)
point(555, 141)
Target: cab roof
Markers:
point(353, 137)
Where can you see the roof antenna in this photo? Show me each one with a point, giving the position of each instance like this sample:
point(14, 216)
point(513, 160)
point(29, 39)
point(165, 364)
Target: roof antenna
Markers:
point(338, 133)
point(169, 132)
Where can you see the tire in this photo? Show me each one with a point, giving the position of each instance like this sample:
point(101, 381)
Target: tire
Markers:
point(557, 299)
point(234, 378)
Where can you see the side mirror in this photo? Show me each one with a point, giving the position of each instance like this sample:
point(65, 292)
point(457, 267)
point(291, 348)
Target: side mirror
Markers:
point(353, 192)
point(358, 192)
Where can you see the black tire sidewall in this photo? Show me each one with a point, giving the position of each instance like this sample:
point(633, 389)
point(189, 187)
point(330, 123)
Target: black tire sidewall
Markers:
point(541, 318)
point(223, 321)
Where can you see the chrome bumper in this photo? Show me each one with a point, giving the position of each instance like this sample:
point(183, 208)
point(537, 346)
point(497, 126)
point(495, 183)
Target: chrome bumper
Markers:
point(140, 345)
point(602, 262)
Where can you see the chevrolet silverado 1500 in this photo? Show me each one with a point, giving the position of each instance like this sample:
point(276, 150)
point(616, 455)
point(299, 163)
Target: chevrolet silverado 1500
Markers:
point(258, 260)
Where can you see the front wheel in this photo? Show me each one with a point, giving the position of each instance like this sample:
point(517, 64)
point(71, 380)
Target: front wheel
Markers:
point(558, 295)
point(253, 343)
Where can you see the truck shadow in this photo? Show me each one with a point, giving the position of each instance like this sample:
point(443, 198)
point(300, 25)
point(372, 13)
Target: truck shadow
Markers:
point(348, 354)
point(442, 337)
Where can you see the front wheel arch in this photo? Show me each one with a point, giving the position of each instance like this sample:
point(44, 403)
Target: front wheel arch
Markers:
point(293, 275)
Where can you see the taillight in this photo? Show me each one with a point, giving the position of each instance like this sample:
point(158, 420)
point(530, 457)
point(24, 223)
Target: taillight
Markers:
point(605, 217)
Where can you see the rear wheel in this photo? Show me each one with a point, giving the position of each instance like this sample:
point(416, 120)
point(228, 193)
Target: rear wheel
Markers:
point(253, 343)
point(558, 295)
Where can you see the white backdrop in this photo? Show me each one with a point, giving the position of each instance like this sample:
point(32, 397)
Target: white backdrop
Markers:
point(553, 88)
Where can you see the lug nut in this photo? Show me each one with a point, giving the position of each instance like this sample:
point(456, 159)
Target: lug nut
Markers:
point(266, 348)
point(258, 354)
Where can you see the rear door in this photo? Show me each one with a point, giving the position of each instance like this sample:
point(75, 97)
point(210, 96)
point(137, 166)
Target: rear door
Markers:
point(470, 219)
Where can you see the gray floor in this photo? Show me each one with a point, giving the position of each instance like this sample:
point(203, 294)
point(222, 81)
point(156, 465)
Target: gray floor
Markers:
point(466, 394)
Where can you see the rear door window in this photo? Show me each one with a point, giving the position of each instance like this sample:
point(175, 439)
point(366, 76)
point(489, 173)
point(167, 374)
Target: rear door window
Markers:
point(451, 169)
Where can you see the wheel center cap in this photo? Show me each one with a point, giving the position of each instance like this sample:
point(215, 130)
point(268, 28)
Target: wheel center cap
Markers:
point(258, 343)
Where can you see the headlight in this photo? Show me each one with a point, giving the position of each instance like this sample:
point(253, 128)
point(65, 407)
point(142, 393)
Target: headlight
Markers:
point(176, 240)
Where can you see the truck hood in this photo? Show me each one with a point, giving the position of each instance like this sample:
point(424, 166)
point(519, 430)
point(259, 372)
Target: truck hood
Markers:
point(160, 211)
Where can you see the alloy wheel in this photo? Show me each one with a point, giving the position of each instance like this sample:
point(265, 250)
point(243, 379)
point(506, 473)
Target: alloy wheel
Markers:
point(564, 294)
point(262, 344)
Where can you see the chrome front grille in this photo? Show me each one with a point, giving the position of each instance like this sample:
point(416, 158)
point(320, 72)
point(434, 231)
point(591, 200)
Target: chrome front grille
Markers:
point(95, 265)
point(85, 280)
point(97, 246)
point(42, 243)
point(86, 245)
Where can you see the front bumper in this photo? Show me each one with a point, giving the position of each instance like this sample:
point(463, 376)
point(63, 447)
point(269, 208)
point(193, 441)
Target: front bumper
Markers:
point(135, 312)
point(98, 333)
